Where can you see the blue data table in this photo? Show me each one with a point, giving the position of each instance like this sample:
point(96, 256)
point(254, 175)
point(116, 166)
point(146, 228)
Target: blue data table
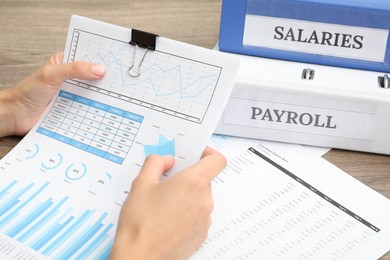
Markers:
point(89, 125)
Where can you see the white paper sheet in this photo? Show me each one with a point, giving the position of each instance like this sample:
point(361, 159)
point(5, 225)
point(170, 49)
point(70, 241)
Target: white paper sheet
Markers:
point(62, 186)
point(276, 201)
point(319, 151)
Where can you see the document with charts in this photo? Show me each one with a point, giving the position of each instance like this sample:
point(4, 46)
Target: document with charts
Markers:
point(62, 186)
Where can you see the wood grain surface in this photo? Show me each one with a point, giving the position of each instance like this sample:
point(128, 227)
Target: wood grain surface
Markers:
point(32, 30)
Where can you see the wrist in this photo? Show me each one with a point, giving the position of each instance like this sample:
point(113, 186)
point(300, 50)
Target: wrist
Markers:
point(121, 248)
point(131, 247)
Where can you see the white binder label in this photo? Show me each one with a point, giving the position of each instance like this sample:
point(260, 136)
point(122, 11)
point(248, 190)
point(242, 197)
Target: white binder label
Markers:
point(300, 119)
point(318, 38)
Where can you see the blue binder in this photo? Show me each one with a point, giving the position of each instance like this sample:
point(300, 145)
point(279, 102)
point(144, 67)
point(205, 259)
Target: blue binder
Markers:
point(344, 33)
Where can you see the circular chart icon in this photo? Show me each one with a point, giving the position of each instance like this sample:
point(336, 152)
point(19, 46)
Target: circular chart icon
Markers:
point(101, 182)
point(52, 161)
point(76, 171)
point(29, 151)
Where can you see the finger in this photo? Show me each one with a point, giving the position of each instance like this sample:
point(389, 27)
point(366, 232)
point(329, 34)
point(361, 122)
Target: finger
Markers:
point(154, 166)
point(53, 73)
point(210, 165)
point(56, 59)
point(208, 150)
point(78, 69)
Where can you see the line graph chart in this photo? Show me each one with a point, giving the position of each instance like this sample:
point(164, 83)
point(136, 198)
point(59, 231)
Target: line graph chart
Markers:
point(167, 83)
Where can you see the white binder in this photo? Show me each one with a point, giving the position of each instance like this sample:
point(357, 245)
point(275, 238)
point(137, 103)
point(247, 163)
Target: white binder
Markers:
point(309, 104)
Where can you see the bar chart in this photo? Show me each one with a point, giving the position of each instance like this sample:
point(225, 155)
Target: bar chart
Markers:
point(53, 227)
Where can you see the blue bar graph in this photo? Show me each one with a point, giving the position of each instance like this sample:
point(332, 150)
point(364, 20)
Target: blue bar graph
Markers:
point(21, 224)
point(15, 212)
point(94, 244)
point(50, 232)
point(52, 226)
point(105, 253)
point(13, 200)
point(6, 189)
point(68, 232)
point(41, 222)
point(75, 245)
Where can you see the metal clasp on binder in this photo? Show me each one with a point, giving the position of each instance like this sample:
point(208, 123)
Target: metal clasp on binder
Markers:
point(308, 74)
point(383, 81)
point(142, 40)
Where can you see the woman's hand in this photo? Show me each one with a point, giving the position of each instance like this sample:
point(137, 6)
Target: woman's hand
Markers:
point(167, 219)
point(22, 105)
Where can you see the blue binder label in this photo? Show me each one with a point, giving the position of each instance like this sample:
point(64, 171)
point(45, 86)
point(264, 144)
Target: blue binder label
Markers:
point(335, 40)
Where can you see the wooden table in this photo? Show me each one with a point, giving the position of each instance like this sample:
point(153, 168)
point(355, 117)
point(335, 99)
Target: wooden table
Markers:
point(30, 31)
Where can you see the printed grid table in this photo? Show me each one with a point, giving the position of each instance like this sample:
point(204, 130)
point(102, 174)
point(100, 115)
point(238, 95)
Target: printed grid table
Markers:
point(91, 126)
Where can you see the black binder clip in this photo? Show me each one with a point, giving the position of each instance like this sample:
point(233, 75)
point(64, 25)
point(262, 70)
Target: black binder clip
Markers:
point(143, 40)
point(308, 74)
point(383, 81)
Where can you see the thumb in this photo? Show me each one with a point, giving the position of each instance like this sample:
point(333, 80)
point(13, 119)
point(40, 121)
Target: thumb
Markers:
point(154, 167)
point(54, 72)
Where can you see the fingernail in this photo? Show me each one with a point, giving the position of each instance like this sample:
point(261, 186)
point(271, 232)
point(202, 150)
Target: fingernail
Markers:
point(98, 70)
